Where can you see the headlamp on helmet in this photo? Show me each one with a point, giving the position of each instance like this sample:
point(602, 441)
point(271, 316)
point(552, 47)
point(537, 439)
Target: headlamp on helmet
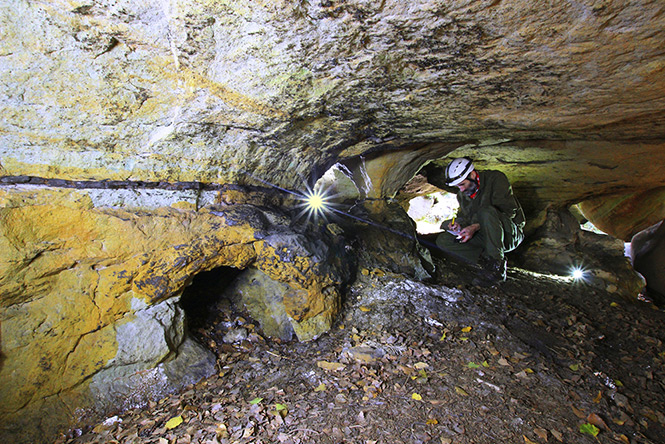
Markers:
point(458, 170)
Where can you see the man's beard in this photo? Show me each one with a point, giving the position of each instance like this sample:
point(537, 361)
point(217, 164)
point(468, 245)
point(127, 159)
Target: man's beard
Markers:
point(472, 189)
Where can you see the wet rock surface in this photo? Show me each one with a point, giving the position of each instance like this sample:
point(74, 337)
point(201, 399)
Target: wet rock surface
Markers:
point(537, 359)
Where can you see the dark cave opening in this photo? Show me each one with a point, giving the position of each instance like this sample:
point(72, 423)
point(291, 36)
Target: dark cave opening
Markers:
point(208, 308)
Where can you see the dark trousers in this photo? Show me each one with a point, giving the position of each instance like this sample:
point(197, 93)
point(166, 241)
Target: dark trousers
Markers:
point(497, 235)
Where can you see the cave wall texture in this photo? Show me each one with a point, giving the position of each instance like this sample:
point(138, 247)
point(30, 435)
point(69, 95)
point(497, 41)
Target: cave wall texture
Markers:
point(567, 98)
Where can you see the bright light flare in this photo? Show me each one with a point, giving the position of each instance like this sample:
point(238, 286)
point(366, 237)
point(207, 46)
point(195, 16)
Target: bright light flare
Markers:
point(577, 273)
point(316, 203)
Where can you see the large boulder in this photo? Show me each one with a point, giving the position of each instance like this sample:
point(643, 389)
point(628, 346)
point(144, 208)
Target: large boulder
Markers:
point(560, 247)
point(648, 255)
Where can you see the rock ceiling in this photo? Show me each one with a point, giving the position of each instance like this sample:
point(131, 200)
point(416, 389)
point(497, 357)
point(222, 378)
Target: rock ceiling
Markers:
point(567, 98)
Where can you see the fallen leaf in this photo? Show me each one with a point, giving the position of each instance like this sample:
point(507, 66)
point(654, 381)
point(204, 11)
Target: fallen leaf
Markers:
point(542, 433)
point(486, 364)
point(597, 421)
point(579, 413)
point(420, 365)
point(527, 440)
point(589, 429)
point(222, 431)
point(473, 365)
point(431, 422)
point(574, 367)
point(558, 435)
point(255, 401)
point(365, 309)
point(417, 397)
point(443, 337)
point(320, 388)
point(598, 397)
point(249, 431)
point(173, 422)
point(281, 410)
point(503, 361)
point(466, 329)
point(624, 438)
point(461, 391)
point(330, 365)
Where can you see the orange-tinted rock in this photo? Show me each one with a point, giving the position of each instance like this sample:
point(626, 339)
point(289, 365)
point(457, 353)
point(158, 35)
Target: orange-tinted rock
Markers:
point(79, 285)
point(625, 215)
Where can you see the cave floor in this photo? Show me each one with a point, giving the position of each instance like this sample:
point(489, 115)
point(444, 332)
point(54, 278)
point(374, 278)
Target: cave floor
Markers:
point(538, 359)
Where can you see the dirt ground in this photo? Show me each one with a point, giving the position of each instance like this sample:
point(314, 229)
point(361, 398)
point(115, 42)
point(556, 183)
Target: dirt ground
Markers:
point(538, 359)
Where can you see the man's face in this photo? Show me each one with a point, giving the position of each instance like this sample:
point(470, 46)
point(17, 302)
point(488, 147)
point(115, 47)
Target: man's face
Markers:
point(468, 186)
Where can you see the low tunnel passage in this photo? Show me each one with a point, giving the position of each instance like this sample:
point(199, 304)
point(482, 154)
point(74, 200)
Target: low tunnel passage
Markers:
point(209, 311)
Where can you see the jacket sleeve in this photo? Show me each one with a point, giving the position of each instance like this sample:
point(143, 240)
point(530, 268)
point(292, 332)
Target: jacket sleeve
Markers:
point(503, 197)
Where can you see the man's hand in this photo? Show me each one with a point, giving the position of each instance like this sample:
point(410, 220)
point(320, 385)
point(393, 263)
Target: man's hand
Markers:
point(454, 226)
point(467, 232)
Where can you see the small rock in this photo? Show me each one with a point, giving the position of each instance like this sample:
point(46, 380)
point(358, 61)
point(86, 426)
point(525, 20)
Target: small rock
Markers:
point(235, 335)
point(366, 354)
point(112, 420)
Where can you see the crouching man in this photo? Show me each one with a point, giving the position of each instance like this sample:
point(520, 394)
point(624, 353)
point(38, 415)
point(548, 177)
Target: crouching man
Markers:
point(490, 220)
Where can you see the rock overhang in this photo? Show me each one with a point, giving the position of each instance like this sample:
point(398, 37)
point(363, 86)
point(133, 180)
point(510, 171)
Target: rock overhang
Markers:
point(567, 99)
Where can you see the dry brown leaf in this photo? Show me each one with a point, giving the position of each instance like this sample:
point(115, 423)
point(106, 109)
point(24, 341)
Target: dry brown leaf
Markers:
point(579, 413)
point(598, 397)
point(249, 431)
point(623, 438)
point(557, 434)
point(527, 440)
point(597, 421)
point(542, 433)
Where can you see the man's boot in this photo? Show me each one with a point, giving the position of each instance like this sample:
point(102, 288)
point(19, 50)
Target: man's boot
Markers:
point(492, 271)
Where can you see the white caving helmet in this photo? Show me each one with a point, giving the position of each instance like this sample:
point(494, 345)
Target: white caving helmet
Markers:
point(458, 170)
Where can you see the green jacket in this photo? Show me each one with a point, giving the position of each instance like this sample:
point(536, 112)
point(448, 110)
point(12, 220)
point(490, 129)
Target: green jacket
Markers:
point(495, 190)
